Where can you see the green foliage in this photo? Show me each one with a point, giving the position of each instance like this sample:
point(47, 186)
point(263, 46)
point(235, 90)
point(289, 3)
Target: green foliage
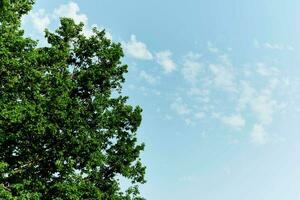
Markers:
point(66, 132)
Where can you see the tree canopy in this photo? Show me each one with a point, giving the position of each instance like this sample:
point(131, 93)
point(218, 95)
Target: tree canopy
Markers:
point(66, 130)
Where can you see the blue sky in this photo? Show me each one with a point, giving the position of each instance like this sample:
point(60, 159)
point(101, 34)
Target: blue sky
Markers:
point(218, 82)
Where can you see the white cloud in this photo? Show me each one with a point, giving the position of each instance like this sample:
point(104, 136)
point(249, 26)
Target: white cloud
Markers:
point(191, 67)
point(72, 10)
point(236, 121)
point(211, 48)
point(258, 134)
point(264, 106)
point(179, 107)
point(147, 77)
point(264, 70)
point(164, 59)
point(40, 20)
point(253, 91)
point(88, 31)
point(273, 46)
point(225, 60)
point(200, 115)
point(137, 49)
point(247, 93)
point(189, 121)
point(261, 103)
point(194, 91)
point(223, 77)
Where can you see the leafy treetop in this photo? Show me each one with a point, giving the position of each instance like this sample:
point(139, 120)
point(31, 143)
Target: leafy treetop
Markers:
point(66, 131)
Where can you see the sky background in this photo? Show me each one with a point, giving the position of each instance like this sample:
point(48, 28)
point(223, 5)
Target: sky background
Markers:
point(219, 85)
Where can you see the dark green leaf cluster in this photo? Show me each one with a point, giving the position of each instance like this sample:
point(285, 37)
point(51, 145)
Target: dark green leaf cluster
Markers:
point(66, 132)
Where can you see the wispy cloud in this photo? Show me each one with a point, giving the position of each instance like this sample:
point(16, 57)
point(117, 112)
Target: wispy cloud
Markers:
point(223, 77)
point(236, 121)
point(72, 10)
point(137, 49)
point(40, 20)
point(148, 77)
point(258, 134)
point(273, 46)
point(164, 58)
point(191, 67)
point(240, 97)
point(212, 48)
point(180, 107)
point(264, 70)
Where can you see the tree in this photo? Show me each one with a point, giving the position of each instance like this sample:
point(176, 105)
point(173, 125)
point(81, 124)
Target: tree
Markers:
point(66, 131)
